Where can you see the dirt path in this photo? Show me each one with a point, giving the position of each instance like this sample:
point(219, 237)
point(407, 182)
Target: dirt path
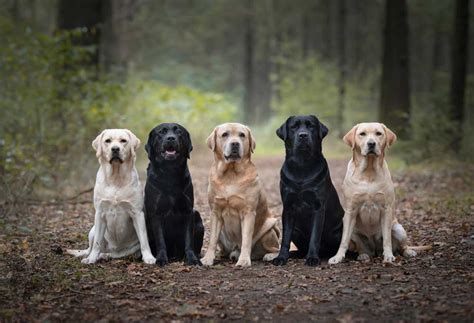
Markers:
point(39, 282)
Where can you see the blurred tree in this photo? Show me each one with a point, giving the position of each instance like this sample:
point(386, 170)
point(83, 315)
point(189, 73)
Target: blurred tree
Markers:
point(459, 70)
point(395, 88)
point(342, 66)
point(248, 62)
point(78, 14)
point(116, 36)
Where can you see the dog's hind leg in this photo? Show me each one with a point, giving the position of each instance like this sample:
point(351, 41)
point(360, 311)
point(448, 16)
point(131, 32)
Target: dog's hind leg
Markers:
point(122, 253)
point(198, 233)
point(362, 247)
point(85, 252)
point(400, 241)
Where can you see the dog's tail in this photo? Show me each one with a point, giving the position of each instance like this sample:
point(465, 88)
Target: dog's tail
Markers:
point(420, 248)
point(78, 253)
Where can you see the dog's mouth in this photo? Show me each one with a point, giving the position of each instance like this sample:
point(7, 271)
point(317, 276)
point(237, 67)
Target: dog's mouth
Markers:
point(170, 152)
point(303, 145)
point(116, 159)
point(232, 157)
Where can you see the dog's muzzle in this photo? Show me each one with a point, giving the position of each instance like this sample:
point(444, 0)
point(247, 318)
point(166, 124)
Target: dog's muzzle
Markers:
point(303, 141)
point(115, 155)
point(371, 148)
point(234, 152)
point(170, 150)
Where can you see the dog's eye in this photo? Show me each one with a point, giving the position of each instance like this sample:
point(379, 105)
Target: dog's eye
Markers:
point(178, 131)
point(295, 126)
point(362, 134)
point(224, 135)
point(242, 135)
point(108, 141)
point(378, 133)
point(163, 131)
point(123, 141)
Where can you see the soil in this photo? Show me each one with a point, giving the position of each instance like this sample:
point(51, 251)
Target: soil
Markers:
point(40, 282)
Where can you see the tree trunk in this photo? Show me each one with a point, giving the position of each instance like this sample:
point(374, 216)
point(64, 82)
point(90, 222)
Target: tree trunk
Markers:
point(116, 36)
point(395, 89)
point(74, 14)
point(342, 66)
point(249, 109)
point(459, 69)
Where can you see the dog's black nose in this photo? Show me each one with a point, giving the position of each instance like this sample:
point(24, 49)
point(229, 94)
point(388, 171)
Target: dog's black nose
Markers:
point(115, 150)
point(235, 145)
point(303, 135)
point(171, 138)
point(371, 144)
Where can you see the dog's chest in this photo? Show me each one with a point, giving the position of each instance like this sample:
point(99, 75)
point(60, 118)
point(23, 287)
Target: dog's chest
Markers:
point(230, 198)
point(370, 210)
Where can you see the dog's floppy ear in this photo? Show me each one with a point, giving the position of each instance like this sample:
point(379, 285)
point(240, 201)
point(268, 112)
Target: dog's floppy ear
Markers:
point(189, 144)
point(134, 142)
point(211, 140)
point(349, 138)
point(390, 135)
point(149, 143)
point(323, 130)
point(252, 143)
point(282, 132)
point(97, 144)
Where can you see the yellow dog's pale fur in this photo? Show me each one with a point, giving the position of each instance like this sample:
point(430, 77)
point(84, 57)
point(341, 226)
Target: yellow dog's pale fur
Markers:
point(240, 221)
point(369, 220)
point(119, 223)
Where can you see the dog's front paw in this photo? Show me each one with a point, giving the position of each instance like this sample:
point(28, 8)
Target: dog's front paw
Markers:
point(150, 260)
point(280, 261)
point(207, 261)
point(243, 262)
point(234, 255)
point(270, 256)
point(336, 259)
point(389, 259)
point(162, 258)
point(363, 257)
point(409, 253)
point(312, 261)
point(89, 260)
point(192, 260)
point(162, 261)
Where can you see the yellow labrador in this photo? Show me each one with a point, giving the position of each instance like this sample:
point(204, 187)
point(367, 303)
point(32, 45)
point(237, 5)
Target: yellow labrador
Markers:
point(369, 220)
point(119, 223)
point(240, 221)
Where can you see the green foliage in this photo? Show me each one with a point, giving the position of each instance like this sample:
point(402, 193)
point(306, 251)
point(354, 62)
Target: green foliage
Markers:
point(310, 87)
point(147, 103)
point(53, 104)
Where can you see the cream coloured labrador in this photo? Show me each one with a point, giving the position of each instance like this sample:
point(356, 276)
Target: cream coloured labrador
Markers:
point(119, 223)
point(369, 220)
point(241, 222)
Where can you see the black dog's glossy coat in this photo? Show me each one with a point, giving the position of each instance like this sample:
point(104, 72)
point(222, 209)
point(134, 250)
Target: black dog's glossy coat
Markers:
point(312, 214)
point(174, 228)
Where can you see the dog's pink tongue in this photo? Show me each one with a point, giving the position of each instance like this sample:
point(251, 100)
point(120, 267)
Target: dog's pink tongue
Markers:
point(171, 152)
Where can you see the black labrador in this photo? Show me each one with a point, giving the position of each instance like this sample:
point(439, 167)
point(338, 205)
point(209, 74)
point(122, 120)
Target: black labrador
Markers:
point(174, 228)
point(312, 214)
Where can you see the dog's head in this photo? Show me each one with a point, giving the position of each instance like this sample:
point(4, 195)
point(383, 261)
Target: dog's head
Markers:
point(168, 142)
point(116, 145)
point(370, 138)
point(303, 134)
point(231, 142)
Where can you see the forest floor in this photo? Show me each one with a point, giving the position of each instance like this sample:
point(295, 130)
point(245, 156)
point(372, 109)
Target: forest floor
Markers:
point(40, 282)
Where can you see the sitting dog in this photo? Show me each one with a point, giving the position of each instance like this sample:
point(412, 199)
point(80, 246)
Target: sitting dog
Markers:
point(312, 213)
point(369, 220)
point(240, 221)
point(119, 224)
point(174, 228)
